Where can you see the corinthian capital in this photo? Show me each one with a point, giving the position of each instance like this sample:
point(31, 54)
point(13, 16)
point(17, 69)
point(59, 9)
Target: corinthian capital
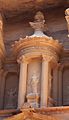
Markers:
point(47, 58)
point(22, 59)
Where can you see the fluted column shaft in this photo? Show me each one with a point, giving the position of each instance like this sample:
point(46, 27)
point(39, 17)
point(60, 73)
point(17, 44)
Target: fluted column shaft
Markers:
point(44, 83)
point(22, 83)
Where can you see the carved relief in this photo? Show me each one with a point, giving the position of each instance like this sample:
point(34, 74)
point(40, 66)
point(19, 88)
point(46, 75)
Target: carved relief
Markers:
point(34, 82)
point(11, 95)
point(10, 90)
point(37, 45)
point(33, 96)
point(37, 52)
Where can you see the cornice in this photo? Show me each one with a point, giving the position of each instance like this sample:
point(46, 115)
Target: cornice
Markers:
point(37, 42)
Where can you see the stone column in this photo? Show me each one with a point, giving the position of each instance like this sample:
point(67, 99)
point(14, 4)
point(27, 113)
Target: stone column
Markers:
point(60, 88)
point(55, 84)
point(44, 83)
point(50, 80)
point(50, 99)
point(22, 82)
point(1, 88)
point(2, 55)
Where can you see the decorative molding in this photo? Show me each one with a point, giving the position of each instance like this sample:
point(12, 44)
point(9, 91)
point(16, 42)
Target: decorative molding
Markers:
point(36, 42)
point(37, 52)
point(32, 47)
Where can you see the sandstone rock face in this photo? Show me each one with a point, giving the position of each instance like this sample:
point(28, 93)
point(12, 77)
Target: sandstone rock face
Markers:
point(17, 6)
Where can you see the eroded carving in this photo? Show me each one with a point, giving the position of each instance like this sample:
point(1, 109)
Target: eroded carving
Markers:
point(67, 18)
point(34, 82)
point(33, 96)
point(39, 22)
point(12, 94)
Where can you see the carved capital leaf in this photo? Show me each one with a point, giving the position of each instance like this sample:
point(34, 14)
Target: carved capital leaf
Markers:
point(22, 59)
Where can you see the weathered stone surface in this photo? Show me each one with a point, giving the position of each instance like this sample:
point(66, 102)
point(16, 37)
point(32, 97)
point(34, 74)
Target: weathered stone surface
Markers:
point(17, 14)
point(12, 8)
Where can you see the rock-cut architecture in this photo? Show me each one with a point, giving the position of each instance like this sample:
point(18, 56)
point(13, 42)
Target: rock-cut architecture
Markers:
point(34, 60)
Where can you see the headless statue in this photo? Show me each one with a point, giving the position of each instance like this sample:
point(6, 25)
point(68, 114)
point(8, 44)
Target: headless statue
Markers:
point(34, 83)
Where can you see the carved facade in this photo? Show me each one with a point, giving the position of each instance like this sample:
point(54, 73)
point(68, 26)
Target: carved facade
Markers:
point(34, 68)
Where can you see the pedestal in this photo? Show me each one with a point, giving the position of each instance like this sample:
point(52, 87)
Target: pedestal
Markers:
point(33, 99)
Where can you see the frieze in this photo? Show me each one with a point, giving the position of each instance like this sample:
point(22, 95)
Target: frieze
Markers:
point(38, 52)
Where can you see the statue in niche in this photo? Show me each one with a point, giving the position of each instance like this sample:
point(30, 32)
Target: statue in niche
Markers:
point(67, 18)
point(34, 83)
point(11, 93)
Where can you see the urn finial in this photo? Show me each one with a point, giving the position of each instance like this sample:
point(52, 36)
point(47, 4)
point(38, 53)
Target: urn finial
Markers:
point(38, 24)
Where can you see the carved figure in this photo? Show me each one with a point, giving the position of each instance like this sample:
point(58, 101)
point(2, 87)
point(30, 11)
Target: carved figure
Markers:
point(11, 97)
point(67, 18)
point(34, 82)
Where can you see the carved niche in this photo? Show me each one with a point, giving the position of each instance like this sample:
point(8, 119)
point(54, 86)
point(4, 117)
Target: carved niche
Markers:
point(34, 76)
point(11, 91)
point(65, 86)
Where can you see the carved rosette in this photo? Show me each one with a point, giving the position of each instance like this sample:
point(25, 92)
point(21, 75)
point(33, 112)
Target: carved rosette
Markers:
point(32, 47)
